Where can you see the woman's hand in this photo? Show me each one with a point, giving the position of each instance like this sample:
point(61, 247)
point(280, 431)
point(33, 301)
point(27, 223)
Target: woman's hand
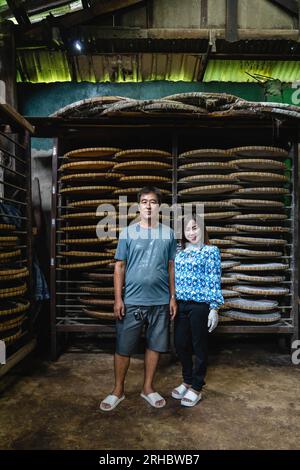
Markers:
point(213, 320)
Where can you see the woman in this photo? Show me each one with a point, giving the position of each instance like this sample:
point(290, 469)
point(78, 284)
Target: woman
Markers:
point(199, 295)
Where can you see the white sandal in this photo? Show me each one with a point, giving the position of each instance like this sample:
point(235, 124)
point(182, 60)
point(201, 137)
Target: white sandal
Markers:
point(153, 398)
point(181, 391)
point(193, 398)
point(111, 400)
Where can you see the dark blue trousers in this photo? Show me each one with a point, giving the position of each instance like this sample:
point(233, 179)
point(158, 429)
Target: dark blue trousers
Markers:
point(191, 337)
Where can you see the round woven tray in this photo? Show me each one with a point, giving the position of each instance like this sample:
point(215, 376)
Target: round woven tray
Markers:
point(99, 276)
point(13, 338)
point(223, 319)
point(13, 291)
point(257, 241)
point(145, 179)
point(92, 202)
point(4, 240)
point(95, 215)
point(102, 302)
point(228, 278)
point(93, 152)
point(260, 217)
point(262, 267)
point(88, 165)
point(99, 314)
point(259, 279)
point(131, 154)
point(258, 176)
point(209, 204)
point(211, 189)
point(200, 153)
point(88, 241)
point(220, 215)
point(217, 242)
point(258, 228)
point(9, 227)
point(9, 307)
point(91, 177)
point(229, 264)
point(10, 324)
point(256, 203)
point(258, 151)
point(258, 163)
point(253, 305)
point(208, 178)
point(86, 254)
point(266, 291)
point(97, 290)
point(252, 317)
point(227, 293)
point(221, 229)
point(124, 191)
point(88, 189)
point(88, 264)
point(86, 228)
point(263, 190)
point(142, 165)
point(249, 253)
point(206, 166)
point(7, 274)
point(9, 254)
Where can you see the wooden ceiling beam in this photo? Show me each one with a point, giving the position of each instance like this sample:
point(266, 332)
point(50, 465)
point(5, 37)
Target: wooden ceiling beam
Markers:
point(19, 12)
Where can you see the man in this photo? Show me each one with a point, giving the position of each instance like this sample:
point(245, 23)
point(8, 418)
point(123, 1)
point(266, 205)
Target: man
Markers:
point(145, 262)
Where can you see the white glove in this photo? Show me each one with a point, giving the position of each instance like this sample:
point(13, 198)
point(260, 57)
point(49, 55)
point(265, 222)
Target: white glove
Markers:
point(213, 320)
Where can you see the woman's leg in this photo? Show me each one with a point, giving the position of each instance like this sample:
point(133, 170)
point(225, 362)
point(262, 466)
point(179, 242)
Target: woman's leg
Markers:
point(183, 342)
point(198, 316)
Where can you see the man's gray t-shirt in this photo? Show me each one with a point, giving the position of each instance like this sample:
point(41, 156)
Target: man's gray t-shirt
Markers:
point(147, 252)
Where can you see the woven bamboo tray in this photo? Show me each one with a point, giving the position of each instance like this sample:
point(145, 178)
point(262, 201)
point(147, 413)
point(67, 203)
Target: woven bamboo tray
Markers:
point(7, 240)
point(201, 153)
point(249, 253)
point(15, 323)
point(220, 215)
point(131, 154)
point(258, 176)
point(9, 254)
point(92, 202)
point(88, 264)
point(99, 314)
point(9, 307)
point(228, 278)
point(142, 165)
point(86, 254)
point(8, 274)
point(225, 229)
point(261, 267)
point(258, 228)
point(102, 302)
point(211, 189)
point(96, 215)
point(255, 318)
point(91, 177)
point(97, 290)
point(259, 279)
point(224, 319)
point(209, 204)
point(256, 240)
point(212, 177)
point(125, 191)
point(226, 255)
point(266, 291)
point(227, 293)
point(145, 179)
point(263, 190)
point(218, 242)
point(206, 166)
point(93, 152)
point(88, 190)
point(260, 217)
point(253, 305)
point(87, 241)
point(86, 228)
point(88, 165)
point(99, 276)
point(13, 291)
point(258, 164)
point(9, 227)
point(258, 151)
point(13, 338)
point(256, 203)
point(229, 264)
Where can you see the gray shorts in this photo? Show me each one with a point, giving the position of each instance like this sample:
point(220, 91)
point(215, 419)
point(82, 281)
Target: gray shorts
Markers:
point(156, 319)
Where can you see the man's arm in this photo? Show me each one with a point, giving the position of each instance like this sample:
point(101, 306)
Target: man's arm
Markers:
point(119, 278)
point(173, 304)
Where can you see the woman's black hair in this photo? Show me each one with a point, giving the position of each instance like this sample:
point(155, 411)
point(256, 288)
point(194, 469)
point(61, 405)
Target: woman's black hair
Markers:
point(199, 221)
point(150, 189)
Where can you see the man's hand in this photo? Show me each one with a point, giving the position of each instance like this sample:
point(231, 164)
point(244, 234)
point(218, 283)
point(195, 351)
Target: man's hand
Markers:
point(213, 320)
point(173, 309)
point(119, 309)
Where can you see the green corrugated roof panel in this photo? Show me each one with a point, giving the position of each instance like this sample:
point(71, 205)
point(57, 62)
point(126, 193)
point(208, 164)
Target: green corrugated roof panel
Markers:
point(239, 70)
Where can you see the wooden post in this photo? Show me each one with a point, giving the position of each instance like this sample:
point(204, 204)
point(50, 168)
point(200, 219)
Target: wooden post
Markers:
point(231, 20)
point(8, 63)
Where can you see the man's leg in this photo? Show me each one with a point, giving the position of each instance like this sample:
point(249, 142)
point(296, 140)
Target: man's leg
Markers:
point(121, 364)
point(150, 365)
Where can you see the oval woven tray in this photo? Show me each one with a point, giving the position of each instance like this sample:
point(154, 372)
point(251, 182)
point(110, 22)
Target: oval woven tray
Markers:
point(10, 254)
point(124, 191)
point(228, 278)
point(142, 165)
point(93, 152)
point(260, 217)
point(211, 189)
point(140, 153)
point(88, 189)
point(253, 317)
point(9, 307)
point(227, 293)
point(258, 151)
point(266, 291)
point(258, 176)
point(224, 319)
point(100, 276)
point(217, 242)
point(99, 314)
point(7, 274)
point(208, 178)
point(256, 203)
point(91, 177)
point(87, 228)
point(3, 240)
point(229, 264)
point(209, 204)
point(262, 267)
point(97, 290)
point(200, 153)
point(259, 279)
point(15, 323)
point(13, 338)
point(145, 179)
point(9, 227)
point(92, 202)
point(88, 241)
point(220, 215)
point(257, 241)
point(258, 228)
point(258, 163)
point(221, 229)
point(249, 253)
point(88, 165)
point(102, 302)
point(86, 254)
point(88, 264)
point(253, 305)
point(206, 166)
point(263, 190)
point(13, 291)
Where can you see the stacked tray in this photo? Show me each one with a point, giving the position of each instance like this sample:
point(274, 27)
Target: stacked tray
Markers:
point(245, 194)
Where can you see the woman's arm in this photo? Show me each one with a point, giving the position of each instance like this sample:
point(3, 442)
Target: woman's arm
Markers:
point(213, 272)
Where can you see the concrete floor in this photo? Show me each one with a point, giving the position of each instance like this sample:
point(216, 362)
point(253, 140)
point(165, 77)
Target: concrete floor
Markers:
point(251, 401)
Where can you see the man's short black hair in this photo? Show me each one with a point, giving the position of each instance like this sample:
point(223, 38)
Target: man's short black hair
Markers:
point(150, 189)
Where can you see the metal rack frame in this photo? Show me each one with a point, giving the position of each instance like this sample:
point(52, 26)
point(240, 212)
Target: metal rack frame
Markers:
point(65, 130)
